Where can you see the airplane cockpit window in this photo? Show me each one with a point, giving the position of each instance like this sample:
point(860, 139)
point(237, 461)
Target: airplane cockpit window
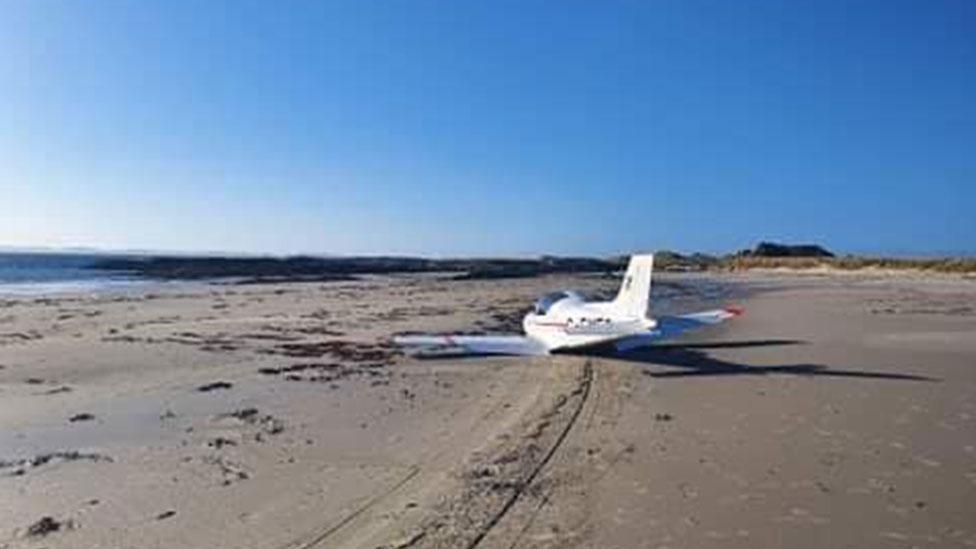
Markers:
point(542, 306)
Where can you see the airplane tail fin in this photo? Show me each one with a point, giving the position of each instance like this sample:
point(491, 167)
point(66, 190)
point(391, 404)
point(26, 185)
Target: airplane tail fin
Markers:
point(635, 290)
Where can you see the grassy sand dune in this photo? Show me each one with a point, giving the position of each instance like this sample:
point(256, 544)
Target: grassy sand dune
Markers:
point(851, 263)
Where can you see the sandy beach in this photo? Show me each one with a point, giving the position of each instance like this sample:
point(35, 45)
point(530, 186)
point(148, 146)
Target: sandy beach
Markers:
point(840, 411)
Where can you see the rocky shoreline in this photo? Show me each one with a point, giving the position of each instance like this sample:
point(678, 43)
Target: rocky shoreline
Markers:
point(277, 270)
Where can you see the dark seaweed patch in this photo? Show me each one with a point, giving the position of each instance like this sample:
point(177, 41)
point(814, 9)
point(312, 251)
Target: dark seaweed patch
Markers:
point(214, 386)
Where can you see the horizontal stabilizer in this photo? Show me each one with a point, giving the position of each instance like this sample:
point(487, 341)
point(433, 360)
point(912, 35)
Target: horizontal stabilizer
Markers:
point(673, 326)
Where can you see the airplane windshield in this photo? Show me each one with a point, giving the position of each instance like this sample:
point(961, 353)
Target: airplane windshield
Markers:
point(542, 306)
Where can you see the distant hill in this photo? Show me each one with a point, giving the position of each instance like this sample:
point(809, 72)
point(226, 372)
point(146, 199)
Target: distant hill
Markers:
point(668, 260)
point(772, 249)
point(768, 255)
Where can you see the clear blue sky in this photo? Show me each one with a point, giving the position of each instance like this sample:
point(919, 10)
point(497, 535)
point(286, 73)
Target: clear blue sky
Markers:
point(487, 128)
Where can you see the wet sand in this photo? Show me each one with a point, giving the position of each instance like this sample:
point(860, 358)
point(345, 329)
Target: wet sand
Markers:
point(838, 412)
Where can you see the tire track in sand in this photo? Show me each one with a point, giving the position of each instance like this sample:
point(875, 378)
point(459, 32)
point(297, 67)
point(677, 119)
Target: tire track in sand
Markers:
point(495, 483)
point(320, 537)
point(585, 384)
point(352, 529)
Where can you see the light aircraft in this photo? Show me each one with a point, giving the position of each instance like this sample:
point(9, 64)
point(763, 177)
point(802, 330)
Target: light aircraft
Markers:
point(564, 321)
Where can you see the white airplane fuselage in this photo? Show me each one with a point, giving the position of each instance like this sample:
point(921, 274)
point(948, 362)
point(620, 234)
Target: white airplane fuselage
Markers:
point(565, 320)
point(569, 321)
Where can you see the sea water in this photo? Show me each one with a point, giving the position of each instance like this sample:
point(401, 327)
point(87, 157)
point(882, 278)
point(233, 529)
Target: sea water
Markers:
point(40, 273)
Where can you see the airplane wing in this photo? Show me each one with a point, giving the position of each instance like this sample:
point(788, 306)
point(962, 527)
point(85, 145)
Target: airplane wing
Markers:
point(450, 345)
point(471, 345)
point(673, 326)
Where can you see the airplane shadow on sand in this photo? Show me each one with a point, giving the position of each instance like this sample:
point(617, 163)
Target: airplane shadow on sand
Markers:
point(694, 361)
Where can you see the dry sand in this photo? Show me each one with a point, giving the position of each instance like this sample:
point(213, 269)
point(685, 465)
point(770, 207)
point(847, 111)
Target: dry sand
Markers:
point(839, 412)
